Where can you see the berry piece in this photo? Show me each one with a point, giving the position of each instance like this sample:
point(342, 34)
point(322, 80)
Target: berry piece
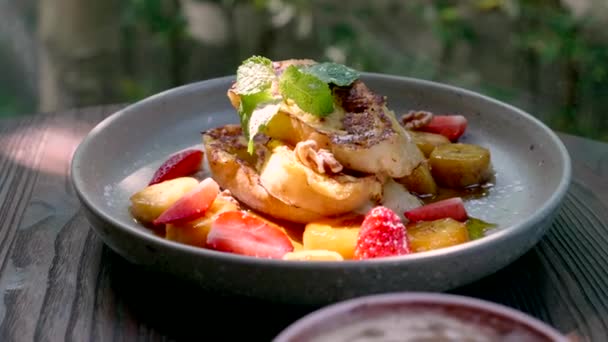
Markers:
point(242, 233)
point(181, 164)
point(451, 207)
point(382, 234)
point(450, 126)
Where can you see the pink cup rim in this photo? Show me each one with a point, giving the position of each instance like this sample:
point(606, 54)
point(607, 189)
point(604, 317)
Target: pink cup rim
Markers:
point(319, 316)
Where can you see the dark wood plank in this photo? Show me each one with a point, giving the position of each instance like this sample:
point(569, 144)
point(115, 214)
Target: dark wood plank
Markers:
point(20, 274)
point(41, 231)
point(589, 164)
point(60, 283)
point(564, 279)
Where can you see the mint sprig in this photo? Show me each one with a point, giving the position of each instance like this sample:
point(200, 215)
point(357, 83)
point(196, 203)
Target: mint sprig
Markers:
point(307, 86)
point(254, 75)
point(335, 73)
point(309, 92)
point(255, 111)
point(254, 78)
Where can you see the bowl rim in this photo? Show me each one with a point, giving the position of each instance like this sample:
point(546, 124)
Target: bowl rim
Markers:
point(151, 239)
point(319, 316)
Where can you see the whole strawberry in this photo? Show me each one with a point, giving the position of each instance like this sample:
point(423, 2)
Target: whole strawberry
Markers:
point(382, 234)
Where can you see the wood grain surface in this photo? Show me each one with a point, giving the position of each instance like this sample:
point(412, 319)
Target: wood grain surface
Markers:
point(58, 282)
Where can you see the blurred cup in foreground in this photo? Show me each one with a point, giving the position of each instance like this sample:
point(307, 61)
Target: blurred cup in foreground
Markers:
point(412, 316)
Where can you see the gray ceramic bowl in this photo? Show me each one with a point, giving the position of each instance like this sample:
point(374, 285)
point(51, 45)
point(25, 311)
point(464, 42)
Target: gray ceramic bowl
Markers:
point(119, 156)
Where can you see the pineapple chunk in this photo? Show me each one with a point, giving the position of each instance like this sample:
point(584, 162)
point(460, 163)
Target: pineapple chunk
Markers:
point(429, 235)
point(313, 255)
point(336, 234)
point(148, 203)
point(195, 232)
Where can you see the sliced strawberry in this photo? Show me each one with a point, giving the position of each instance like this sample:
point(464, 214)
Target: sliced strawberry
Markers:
point(451, 207)
point(242, 233)
point(192, 205)
point(181, 164)
point(450, 126)
point(382, 234)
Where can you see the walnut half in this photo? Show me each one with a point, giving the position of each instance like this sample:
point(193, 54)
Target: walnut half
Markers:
point(318, 160)
point(415, 119)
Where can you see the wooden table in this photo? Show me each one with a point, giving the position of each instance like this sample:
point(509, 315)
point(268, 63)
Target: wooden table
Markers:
point(58, 282)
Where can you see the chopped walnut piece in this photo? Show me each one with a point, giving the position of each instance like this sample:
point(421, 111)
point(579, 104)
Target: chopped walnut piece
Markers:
point(415, 119)
point(319, 160)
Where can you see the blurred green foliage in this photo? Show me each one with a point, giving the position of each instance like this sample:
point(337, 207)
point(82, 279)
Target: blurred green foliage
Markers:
point(11, 105)
point(562, 70)
point(158, 16)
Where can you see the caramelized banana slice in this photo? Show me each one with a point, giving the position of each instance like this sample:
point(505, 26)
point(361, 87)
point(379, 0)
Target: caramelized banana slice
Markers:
point(420, 181)
point(427, 142)
point(460, 165)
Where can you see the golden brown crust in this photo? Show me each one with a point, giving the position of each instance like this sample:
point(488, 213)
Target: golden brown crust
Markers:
point(287, 179)
point(239, 176)
point(278, 184)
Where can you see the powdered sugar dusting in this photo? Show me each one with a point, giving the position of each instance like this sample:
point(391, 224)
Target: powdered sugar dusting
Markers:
point(107, 194)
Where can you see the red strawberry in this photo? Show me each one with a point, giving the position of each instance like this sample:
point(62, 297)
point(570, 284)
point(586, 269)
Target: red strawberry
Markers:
point(382, 234)
point(451, 207)
point(242, 233)
point(192, 205)
point(181, 164)
point(450, 126)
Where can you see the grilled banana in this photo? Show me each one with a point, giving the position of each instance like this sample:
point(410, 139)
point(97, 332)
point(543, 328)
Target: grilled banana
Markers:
point(460, 165)
point(427, 142)
point(420, 181)
point(275, 182)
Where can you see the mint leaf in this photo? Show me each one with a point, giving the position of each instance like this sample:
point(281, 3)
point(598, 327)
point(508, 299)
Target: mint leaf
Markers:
point(309, 92)
point(260, 117)
point(256, 111)
point(335, 73)
point(254, 75)
point(254, 79)
point(248, 105)
point(477, 228)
